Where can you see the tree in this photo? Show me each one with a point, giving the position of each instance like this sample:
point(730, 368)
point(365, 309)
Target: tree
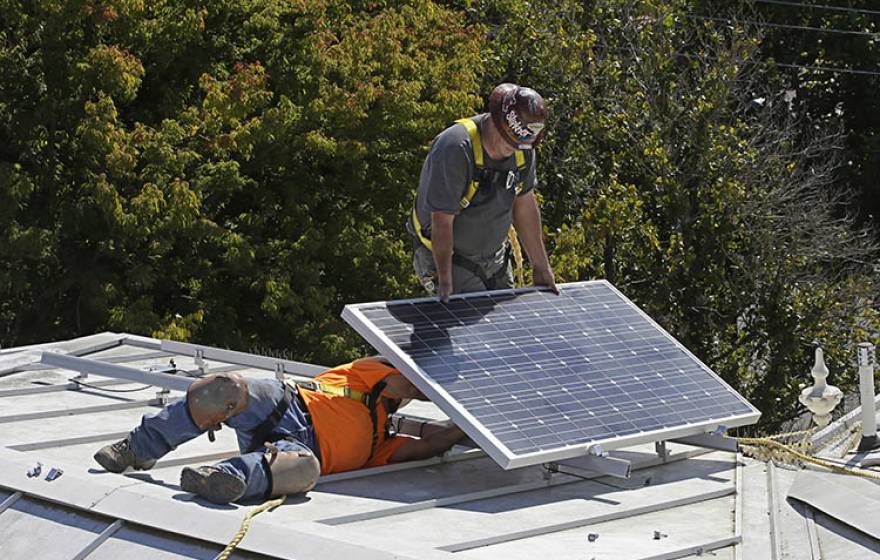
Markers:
point(230, 172)
point(830, 63)
point(673, 168)
point(234, 172)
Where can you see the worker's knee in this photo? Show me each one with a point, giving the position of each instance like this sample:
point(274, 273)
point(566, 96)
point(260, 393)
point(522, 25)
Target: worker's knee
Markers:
point(215, 398)
point(293, 472)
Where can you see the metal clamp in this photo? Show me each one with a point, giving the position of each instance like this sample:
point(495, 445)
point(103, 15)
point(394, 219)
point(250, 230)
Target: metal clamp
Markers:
point(715, 439)
point(309, 385)
point(596, 461)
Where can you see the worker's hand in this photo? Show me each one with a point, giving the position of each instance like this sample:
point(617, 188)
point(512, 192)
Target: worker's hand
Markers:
point(456, 434)
point(545, 277)
point(444, 290)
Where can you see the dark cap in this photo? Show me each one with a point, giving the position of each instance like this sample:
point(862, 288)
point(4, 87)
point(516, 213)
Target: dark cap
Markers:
point(518, 114)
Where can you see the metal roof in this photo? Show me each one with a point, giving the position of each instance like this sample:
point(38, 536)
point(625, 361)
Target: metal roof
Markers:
point(680, 505)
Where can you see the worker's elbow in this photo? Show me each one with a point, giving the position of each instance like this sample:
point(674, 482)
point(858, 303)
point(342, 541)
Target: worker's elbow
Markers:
point(441, 221)
point(415, 450)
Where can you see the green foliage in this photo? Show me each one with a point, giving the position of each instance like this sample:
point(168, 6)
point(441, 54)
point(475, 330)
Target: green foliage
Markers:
point(234, 172)
point(836, 99)
point(661, 175)
point(231, 173)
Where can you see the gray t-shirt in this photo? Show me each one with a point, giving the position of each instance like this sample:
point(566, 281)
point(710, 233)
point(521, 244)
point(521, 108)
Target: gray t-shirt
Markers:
point(480, 229)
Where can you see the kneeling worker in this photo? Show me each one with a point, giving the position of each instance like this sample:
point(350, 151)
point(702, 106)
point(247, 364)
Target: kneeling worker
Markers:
point(288, 436)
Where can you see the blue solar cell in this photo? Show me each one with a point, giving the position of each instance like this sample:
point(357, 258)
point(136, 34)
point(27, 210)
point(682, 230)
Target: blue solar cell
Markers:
point(540, 371)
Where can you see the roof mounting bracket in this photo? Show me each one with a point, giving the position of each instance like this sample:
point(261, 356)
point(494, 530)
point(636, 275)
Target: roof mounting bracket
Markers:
point(660, 449)
point(163, 395)
point(711, 440)
point(597, 461)
point(199, 361)
point(77, 379)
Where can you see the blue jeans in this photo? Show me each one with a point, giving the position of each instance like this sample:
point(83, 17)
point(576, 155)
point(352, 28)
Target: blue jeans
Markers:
point(163, 431)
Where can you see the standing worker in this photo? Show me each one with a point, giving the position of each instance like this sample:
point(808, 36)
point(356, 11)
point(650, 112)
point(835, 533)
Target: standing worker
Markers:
point(478, 179)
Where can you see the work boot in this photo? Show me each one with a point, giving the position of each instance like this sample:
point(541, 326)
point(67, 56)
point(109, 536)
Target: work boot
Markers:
point(212, 483)
point(118, 456)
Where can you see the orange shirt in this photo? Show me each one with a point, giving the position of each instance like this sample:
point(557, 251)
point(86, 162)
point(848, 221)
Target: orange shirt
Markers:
point(343, 426)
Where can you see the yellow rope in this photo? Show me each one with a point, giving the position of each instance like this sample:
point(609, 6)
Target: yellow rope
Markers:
point(789, 451)
point(850, 442)
point(792, 434)
point(517, 256)
point(245, 525)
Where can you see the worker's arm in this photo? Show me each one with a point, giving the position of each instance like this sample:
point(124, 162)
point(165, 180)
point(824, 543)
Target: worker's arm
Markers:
point(527, 221)
point(399, 387)
point(441, 241)
point(434, 443)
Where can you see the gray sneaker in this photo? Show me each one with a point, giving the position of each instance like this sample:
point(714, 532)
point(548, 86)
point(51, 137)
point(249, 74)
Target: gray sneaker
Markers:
point(118, 456)
point(213, 484)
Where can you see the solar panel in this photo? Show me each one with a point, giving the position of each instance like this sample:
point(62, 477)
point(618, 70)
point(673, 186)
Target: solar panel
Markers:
point(534, 377)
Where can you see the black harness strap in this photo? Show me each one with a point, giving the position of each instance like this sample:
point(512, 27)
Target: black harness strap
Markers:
point(372, 404)
point(474, 268)
point(262, 432)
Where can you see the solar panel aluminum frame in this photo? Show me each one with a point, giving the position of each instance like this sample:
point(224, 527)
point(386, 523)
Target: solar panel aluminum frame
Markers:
point(498, 451)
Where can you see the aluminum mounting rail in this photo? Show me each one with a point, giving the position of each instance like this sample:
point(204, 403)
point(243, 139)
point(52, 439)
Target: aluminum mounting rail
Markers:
point(84, 365)
point(278, 365)
point(17, 360)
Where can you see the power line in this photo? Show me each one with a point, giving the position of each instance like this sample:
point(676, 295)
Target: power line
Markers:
point(788, 26)
point(820, 68)
point(839, 70)
point(796, 66)
point(820, 7)
point(801, 28)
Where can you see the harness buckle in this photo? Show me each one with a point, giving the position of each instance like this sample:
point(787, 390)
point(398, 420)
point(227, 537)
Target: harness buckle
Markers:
point(310, 385)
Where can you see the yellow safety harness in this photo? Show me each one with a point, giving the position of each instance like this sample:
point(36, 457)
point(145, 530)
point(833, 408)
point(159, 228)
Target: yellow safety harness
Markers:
point(370, 400)
point(476, 143)
point(335, 390)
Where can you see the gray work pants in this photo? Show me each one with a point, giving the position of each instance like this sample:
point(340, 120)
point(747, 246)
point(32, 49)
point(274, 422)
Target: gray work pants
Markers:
point(498, 269)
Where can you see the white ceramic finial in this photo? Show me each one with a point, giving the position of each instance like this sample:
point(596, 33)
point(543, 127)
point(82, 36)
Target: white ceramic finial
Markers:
point(821, 398)
point(820, 371)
